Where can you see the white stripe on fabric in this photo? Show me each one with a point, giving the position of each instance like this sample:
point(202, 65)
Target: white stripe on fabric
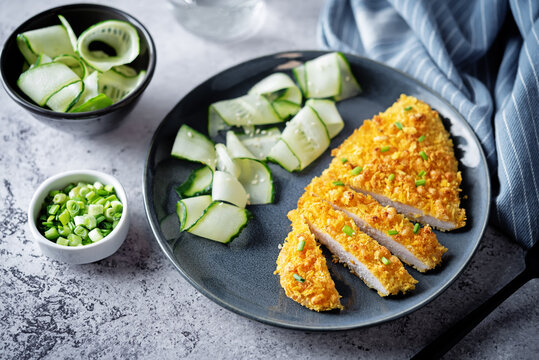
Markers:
point(510, 186)
point(436, 80)
point(533, 66)
point(487, 134)
point(420, 66)
point(527, 92)
point(519, 165)
point(525, 142)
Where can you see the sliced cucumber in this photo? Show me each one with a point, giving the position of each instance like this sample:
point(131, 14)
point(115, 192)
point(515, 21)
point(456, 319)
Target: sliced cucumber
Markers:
point(235, 146)
point(349, 85)
point(117, 86)
point(281, 154)
point(193, 146)
point(286, 108)
point(282, 92)
point(224, 161)
point(299, 75)
point(120, 35)
point(328, 113)
point(125, 70)
point(307, 136)
point(327, 76)
point(51, 41)
point(323, 76)
point(250, 109)
point(260, 142)
point(73, 62)
point(221, 222)
point(70, 32)
point(99, 102)
point(191, 209)
point(41, 59)
point(257, 180)
point(226, 187)
point(65, 98)
point(90, 90)
point(198, 183)
point(41, 82)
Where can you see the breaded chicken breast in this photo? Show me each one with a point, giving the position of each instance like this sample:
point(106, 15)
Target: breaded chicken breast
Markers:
point(367, 259)
point(404, 158)
point(303, 269)
point(413, 245)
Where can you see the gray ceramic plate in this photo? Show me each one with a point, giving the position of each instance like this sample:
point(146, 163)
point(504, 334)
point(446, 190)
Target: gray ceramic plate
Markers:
point(240, 276)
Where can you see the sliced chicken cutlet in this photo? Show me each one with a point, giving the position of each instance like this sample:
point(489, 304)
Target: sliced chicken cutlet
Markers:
point(415, 246)
point(367, 259)
point(303, 270)
point(404, 158)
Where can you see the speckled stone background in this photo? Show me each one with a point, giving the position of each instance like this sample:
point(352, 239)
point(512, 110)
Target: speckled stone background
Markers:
point(135, 304)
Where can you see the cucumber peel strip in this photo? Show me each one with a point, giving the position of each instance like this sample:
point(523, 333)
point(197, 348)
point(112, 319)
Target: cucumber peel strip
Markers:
point(120, 35)
point(98, 102)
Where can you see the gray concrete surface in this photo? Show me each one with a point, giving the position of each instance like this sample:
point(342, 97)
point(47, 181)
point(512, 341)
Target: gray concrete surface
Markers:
point(135, 304)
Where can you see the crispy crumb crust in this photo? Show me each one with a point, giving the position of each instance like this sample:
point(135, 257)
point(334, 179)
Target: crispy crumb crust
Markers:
point(423, 245)
point(393, 277)
point(318, 291)
point(439, 197)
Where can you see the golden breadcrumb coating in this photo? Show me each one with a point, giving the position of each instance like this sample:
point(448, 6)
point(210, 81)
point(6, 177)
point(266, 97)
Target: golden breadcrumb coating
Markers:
point(423, 245)
point(393, 159)
point(318, 291)
point(393, 276)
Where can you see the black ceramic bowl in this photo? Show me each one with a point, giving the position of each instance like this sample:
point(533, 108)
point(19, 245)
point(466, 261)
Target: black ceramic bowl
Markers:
point(80, 17)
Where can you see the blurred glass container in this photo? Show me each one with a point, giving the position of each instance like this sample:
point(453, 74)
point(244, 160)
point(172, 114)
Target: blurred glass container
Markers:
point(220, 20)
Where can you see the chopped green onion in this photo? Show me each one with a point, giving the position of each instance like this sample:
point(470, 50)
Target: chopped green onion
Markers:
point(59, 198)
point(62, 241)
point(384, 149)
point(392, 232)
point(64, 217)
point(391, 177)
point(420, 182)
point(423, 155)
point(422, 173)
point(95, 235)
point(117, 206)
point(301, 245)
point(357, 170)
point(73, 207)
point(344, 160)
point(408, 108)
point(74, 240)
point(348, 230)
point(298, 278)
point(80, 231)
point(416, 228)
point(421, 138)
point(398, 124)
point(385, 260)
point(52, 233)
point(68, 188)
point(64, 230)
point(338, 183)
point(89, 208)
point(54, 209)
point(95, 209)
point(89, 221)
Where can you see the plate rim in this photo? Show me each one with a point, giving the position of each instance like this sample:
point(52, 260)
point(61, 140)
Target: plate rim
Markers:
point(154, 225)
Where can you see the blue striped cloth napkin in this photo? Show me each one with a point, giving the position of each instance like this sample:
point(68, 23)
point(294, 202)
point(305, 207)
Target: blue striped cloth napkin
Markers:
point(482, 56)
